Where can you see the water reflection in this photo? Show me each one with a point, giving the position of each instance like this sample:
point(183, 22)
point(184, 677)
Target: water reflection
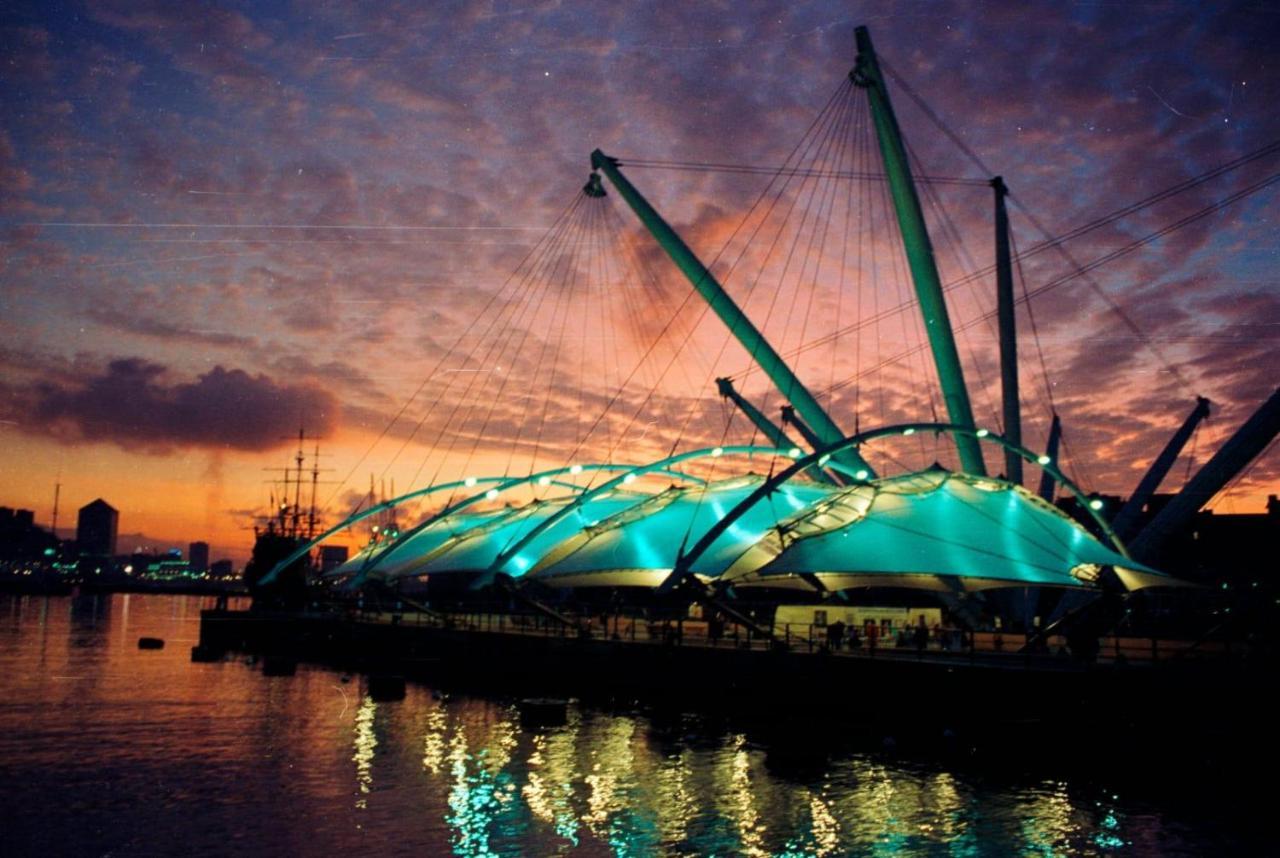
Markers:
point(609, 782)
point(615, 784)
point(237, 751)
point(365, 743)
point(433, 744)
point(825, 829)
point(675, 804)
point(89, 613)
point(549, 783)
point(483, 796)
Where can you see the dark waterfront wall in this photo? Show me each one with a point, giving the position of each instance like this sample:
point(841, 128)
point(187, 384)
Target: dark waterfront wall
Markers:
point(110, 749)
point(1051, 707)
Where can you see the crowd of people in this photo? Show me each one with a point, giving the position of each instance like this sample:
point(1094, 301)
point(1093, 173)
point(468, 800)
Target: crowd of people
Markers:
point(873, 635)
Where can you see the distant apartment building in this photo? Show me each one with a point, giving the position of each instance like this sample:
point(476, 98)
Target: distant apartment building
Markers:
point(20, 538)
point(198, 556)
point(96, 528)
point(15, 523)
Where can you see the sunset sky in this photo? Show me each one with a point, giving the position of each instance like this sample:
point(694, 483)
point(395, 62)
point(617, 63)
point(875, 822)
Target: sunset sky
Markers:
point(219, 221)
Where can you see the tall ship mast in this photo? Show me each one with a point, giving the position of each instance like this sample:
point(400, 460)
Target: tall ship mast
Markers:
point(288, 530)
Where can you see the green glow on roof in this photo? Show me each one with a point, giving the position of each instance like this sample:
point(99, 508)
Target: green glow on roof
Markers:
point(916, 527)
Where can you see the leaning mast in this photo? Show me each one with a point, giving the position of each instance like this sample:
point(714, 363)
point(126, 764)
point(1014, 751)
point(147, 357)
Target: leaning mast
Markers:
point(919, 250)
point(1008, 336)
point(764, 354)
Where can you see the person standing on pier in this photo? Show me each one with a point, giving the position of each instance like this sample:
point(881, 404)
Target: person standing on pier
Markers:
point(835, 635)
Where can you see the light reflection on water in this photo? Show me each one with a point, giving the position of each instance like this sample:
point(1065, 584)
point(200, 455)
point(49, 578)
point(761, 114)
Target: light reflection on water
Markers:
point(366, 741)
point(105, 748)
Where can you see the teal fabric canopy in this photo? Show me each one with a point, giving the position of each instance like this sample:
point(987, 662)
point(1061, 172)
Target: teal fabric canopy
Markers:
point(980, 532)
point(407, 557)
point(638, 547)
point(932, 529)
point(477, 548)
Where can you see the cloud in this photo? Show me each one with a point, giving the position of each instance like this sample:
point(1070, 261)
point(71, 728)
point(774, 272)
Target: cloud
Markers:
point(162, 330)
point(130, 404)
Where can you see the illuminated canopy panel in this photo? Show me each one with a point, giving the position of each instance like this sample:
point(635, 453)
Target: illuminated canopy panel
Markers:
point(409, 555)
point(476, 549)
point(911, 530)
point(932, 529)
point(638, 546)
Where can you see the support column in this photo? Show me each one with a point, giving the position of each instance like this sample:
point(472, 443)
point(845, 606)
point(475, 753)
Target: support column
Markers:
point(1008, 336)
point(919, 250)
point(739, 325)
point(767, 427)
point(1126, 520)
point(1247, 442)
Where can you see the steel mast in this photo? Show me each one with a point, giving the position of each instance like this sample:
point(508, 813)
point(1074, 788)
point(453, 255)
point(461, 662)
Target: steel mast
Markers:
point(1232, 457)
point(1126, 521)
point(728, 311)
point(1008, 336)
point(767, 427)
point(919, 250)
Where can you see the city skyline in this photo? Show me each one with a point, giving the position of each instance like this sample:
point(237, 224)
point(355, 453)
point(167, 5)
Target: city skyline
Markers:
point(218, 228)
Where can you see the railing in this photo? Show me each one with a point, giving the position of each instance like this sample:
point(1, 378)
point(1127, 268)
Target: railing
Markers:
point(940, 643)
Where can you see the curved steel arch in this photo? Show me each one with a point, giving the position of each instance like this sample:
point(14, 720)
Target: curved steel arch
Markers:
point(686, 560)
point(658, 466)
point(504, 484)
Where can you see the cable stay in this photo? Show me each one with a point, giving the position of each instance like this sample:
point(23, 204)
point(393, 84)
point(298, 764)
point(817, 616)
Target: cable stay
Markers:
point(790, 172)
point(1085, 268)
point(1050, 242)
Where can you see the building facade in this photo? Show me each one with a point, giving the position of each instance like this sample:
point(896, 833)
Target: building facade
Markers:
point(198, 555)
point(96, 528)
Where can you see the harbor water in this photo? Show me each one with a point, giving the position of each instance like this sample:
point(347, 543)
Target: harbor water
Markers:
point(109, 749)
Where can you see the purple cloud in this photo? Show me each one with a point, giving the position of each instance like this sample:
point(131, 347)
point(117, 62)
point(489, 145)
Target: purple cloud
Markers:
point(131, 405)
